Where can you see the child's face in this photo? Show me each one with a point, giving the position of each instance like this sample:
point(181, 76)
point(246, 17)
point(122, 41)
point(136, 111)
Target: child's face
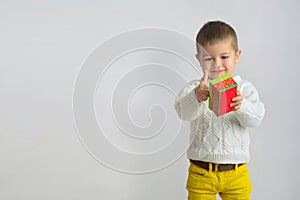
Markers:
point(219, 58)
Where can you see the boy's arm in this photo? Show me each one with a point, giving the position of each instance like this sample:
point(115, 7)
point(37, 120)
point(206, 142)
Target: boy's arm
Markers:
point(186, 103)
point(252, 110)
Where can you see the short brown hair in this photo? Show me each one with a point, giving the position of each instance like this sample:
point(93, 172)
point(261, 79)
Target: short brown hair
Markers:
point(214, 31)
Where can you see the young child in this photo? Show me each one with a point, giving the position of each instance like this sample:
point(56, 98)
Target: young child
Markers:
point(219, 148)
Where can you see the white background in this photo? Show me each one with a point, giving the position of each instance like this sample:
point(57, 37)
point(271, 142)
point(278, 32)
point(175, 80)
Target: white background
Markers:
point(43, 45)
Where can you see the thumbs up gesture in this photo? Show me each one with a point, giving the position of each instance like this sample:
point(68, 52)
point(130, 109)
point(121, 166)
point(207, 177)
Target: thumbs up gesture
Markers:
point(202, 91)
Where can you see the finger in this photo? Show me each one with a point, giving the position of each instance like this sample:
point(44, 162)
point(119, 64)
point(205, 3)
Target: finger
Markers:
point(238, 98)
point(239, 94)
point(237, 103)
point(202, 94)
point(205, 76)
point(236, 107)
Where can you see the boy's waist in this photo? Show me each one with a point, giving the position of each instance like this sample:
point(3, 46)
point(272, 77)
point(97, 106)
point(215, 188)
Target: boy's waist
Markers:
point(215, 166)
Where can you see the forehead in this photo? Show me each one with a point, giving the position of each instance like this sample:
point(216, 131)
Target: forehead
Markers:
point(218, 47)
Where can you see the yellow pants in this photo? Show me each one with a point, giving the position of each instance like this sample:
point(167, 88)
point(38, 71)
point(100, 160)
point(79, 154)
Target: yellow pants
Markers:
point(230, 185)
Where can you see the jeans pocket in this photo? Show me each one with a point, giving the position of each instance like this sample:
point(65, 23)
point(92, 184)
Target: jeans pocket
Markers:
point(196, 174)
point(243, 170)
point(194, 169)
point(199, 179)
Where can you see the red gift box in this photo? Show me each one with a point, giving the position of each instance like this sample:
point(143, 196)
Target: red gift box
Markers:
point(221, 92)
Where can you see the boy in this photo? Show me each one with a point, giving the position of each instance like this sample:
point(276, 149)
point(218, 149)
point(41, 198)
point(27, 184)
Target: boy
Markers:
point(219, 148)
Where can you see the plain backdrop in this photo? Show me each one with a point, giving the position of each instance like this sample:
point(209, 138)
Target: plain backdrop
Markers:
point(43, 45)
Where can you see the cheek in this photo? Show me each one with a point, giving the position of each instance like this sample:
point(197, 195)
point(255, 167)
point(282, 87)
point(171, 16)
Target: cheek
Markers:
point(229, 63)
point(206, 66)
point(230, 69)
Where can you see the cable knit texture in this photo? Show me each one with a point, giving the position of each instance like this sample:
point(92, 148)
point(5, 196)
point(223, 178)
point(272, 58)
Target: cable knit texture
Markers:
point(223, 139)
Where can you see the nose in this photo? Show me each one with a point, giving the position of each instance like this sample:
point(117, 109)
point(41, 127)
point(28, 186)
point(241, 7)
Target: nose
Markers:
point(217, 63)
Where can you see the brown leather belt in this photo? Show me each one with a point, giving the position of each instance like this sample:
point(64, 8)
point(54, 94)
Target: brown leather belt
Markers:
point(220, 168)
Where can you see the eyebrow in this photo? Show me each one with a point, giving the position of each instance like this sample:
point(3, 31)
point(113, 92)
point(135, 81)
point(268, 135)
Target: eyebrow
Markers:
point(206, 55)
point(224, 53)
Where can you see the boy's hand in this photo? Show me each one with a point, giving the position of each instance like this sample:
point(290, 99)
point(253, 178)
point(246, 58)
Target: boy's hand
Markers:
point(237, 101)
point(202, 91)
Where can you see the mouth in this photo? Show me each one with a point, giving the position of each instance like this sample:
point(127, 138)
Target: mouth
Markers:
point(218, 71)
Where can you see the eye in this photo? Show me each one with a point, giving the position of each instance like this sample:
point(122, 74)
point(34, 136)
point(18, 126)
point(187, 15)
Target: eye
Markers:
point(224, 57)
point(207, 59)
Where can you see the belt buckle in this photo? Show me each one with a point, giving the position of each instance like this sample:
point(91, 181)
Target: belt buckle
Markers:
point(214, 168)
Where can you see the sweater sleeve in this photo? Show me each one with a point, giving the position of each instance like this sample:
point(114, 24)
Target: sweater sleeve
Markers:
point(252, 110)
point(186, 103)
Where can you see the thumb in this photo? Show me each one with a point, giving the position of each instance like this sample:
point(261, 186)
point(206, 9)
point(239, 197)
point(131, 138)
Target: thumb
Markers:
point(205, 76)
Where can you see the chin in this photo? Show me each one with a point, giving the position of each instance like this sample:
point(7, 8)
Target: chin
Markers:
point(214, 76)
point(217, 75)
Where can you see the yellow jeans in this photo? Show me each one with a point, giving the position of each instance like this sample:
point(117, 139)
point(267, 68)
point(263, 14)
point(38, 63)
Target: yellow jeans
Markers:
point(230, 185)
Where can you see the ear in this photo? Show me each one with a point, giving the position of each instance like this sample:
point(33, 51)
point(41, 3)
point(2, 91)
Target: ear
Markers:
point(237, 56)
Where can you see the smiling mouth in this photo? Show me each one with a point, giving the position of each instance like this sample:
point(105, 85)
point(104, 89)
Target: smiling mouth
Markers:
point(217, 71)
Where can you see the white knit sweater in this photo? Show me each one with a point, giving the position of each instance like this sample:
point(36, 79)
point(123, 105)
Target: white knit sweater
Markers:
point(223, 139)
